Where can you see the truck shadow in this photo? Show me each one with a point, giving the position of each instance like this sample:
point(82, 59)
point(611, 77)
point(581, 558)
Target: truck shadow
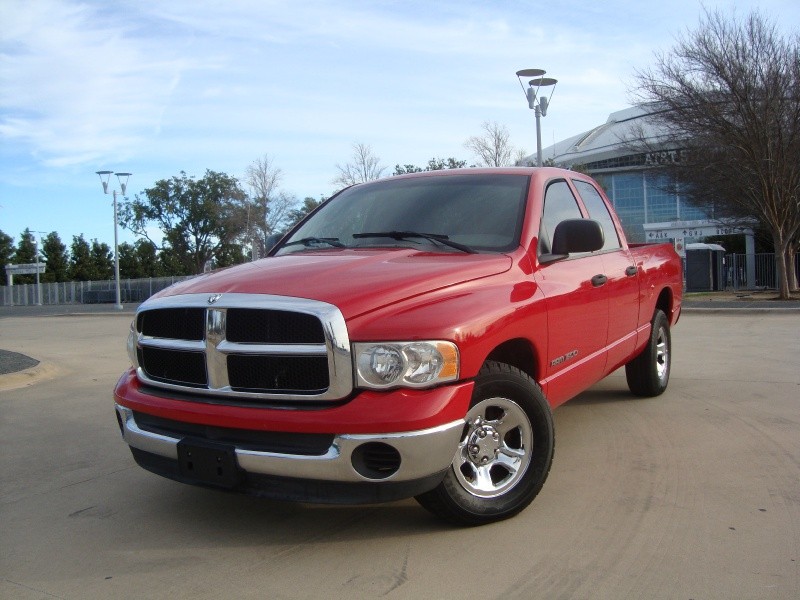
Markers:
point(231, 519)
point(603, 395)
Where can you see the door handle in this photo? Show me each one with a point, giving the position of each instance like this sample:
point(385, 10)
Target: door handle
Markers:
point(599, 280)
point(631, 271)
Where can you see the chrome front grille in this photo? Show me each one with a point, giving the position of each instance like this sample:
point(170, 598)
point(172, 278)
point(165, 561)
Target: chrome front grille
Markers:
point(244, 346)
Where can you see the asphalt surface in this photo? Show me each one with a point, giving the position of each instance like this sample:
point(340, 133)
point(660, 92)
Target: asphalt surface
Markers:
point(12, 362)
point(694, 494)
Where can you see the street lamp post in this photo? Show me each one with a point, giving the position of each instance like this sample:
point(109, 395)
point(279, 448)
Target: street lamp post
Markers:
point(537, 102)
point(38, 267)
point(38, 277)
point(123, 184)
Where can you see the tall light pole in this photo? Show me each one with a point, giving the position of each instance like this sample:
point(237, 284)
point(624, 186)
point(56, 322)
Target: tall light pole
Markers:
point(123, 184)
point(38, 268)
point(537, 102)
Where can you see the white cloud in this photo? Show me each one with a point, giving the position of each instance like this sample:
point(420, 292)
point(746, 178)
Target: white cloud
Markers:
point(75, 87)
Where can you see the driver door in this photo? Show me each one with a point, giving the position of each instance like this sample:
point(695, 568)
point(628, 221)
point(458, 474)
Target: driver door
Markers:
point(577, 305)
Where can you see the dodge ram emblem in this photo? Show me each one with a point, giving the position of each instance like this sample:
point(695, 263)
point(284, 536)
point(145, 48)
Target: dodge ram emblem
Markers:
point(213, 298)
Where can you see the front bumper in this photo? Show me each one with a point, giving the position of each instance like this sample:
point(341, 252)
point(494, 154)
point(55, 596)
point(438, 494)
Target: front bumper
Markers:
point(422, 453)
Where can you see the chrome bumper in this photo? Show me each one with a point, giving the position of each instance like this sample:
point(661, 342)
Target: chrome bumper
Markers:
point(422, 453)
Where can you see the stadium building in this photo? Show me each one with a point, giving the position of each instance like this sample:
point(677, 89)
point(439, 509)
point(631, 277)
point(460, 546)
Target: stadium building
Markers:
point(650, 207)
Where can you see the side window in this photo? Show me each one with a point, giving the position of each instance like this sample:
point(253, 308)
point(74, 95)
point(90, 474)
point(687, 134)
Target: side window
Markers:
point(559, 204)
point(599, 212)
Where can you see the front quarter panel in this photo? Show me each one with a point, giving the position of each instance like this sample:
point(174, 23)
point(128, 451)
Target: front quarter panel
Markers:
point(477, 316)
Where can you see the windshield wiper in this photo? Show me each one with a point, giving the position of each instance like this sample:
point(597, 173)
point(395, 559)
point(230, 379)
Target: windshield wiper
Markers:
point(431, 237)
point(314, 241)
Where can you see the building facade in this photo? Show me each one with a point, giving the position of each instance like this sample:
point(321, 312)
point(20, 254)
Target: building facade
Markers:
point(639, 195)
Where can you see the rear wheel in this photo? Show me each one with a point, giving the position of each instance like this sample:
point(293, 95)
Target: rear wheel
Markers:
point(505, 451)
point(648, 373)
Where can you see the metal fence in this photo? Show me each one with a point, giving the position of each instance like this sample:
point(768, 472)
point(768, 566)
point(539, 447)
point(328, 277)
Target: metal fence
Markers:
point(84, 292)
point(754, 271)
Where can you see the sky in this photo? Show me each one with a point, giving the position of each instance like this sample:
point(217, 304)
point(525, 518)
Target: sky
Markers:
point(156, 87)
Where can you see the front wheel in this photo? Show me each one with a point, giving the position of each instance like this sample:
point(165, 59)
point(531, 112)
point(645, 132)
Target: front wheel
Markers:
point(648, 373)
point(505, 451)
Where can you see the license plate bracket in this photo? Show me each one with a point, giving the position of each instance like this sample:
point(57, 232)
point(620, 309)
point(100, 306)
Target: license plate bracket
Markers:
point(208, 462)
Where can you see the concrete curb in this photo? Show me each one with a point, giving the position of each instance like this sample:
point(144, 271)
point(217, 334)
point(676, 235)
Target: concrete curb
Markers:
point(742, 305)
point(28, 377)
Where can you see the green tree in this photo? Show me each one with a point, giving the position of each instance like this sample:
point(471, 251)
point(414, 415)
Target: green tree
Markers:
point(103, 260)
point(147, 259)
point(297, 215)
point(128, 262)
point(25, 254)
point(229, 255)
point(57, 258)
point(729, 94)
point(197, 217)
point(6, 253)
point(139, 260)
point(170, 259)
point(434, 164)
point(26, 248)
point(81, 266)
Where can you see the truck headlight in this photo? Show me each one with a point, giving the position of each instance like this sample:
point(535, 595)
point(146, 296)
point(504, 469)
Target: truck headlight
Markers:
point(133, 337)
point(382, 365)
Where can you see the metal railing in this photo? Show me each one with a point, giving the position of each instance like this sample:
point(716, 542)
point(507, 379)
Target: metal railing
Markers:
point(753, 271)
point(84, 292)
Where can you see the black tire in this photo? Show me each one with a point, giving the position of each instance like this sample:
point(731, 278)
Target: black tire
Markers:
point(505, 451)
point(648, 373)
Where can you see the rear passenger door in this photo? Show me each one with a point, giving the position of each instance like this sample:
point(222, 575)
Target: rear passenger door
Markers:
point(577, 308)
point(622, 279)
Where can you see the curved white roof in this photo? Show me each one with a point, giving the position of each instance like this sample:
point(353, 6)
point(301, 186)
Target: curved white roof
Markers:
point(609, 140)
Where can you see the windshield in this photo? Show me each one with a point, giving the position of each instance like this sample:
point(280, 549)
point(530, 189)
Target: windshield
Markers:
point(478, 212)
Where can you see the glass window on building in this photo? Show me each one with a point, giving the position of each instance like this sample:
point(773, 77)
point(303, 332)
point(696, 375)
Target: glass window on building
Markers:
point(662, 201)
point(605, 182)
point(629, 204)
point(689, 212)
point(598, 211)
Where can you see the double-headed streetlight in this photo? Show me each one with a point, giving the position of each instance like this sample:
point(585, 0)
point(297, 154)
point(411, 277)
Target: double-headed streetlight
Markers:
point(123, 184)
point(38, 268)
point(537, 102)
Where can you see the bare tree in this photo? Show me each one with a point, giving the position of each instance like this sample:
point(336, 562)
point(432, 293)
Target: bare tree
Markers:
point(269, 208)
point(521, 159)
point(730, 98)
point(364, 166)
point(493, 148)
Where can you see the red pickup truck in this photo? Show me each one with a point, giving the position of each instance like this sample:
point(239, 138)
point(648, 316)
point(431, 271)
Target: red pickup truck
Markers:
point(409, 338)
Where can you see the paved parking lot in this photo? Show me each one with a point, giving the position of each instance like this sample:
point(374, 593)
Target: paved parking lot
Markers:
point(695, 494)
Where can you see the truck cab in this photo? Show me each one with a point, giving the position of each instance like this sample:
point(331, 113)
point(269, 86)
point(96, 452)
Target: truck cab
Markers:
point(410, 337)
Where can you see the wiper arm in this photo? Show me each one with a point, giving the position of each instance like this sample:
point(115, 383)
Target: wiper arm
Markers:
point(432, 237)
point(313, 241)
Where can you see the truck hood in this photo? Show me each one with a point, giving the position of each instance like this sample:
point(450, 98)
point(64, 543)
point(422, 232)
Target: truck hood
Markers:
point(356, 281)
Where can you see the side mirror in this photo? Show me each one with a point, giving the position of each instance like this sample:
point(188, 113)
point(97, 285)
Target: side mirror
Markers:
point(272, 241)
point(575, 235)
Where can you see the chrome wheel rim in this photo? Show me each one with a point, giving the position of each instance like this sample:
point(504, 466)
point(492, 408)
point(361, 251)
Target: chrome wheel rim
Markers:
point(662, 355)
point(495, 450)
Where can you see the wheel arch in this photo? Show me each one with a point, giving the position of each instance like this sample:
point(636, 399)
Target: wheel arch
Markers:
point(665, 304)
point(519, 353)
